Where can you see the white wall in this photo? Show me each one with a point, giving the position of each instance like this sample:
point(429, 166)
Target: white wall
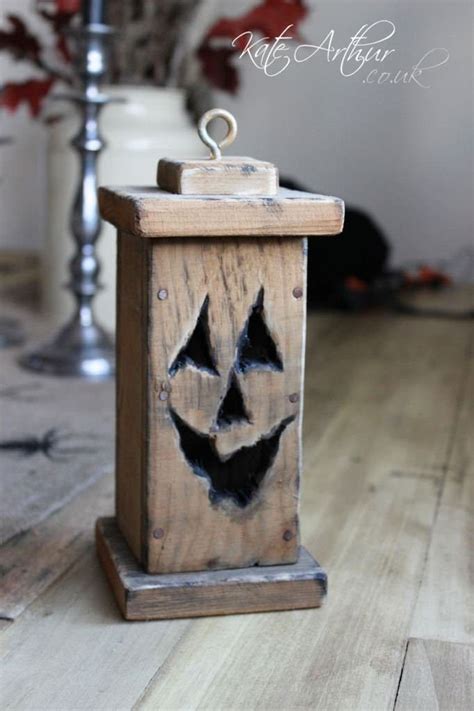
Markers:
point(401, 152)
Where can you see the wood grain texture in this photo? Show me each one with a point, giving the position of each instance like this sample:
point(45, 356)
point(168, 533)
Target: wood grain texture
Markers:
point(72, 649)
point(227, 176)
point(382, 397)
point(69, 450)
point(369, 498)
point(141, 596)
point(32, 561)
point(438, 676)
point(445, 606)
point(151, 212)
point(131, 386)
point(193, 533)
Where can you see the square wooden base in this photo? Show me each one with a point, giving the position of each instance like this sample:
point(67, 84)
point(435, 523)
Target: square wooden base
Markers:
point(218, 592)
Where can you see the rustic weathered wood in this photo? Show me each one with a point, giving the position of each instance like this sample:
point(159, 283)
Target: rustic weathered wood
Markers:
point(370, 494)
point(380, 404)
point(446, 602)
point(52, 418)
point(209, 394)
point(195, 533)
point(164, 508)
point(131, 386)
point(5, 624)
point(150, 212)
point(192, 493)
point(437, 675)
point(79, 648)
point(32, 561)
point(141, 596)
point(227, 176)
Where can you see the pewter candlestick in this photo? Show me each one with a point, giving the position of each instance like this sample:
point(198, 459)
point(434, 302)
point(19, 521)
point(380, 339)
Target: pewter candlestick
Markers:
point(82, 347)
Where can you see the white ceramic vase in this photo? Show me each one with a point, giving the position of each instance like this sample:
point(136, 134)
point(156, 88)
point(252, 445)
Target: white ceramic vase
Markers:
point(151, 124)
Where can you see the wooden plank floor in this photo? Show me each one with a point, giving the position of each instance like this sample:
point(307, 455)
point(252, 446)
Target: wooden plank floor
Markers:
point(387, 508)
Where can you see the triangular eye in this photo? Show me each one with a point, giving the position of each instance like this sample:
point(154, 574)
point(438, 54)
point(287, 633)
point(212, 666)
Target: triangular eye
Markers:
point(197, 350)
point(256, 349)
point(232, 408)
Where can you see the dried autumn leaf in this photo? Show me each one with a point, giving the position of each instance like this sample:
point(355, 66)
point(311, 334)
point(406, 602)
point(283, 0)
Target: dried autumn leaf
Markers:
point(68, 7)
point(19, 41)
point(31, 92)
point(217, 67)
point(269, 18)
point(59, 21)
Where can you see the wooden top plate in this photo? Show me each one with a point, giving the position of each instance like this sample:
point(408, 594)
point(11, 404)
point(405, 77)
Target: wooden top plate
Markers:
point(151, 212)
point(226, 176)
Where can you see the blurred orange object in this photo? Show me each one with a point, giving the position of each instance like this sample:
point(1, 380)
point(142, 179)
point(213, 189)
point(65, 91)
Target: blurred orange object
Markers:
point(353, 283)
point(426, 276)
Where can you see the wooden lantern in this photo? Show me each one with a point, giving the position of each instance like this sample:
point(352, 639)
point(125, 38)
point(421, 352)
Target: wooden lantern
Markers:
point(210, 355)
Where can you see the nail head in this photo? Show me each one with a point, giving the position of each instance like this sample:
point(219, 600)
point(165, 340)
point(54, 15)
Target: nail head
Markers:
point(158, 533)
point(162, 294)
point(297, 292)
point(294, 397)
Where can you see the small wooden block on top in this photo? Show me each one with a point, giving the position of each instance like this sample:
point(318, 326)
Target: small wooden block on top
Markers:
point(141, 596)
point(226, 176)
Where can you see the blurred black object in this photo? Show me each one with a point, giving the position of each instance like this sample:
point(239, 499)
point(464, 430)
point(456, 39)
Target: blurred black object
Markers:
point(343, 270)
point(350, 272)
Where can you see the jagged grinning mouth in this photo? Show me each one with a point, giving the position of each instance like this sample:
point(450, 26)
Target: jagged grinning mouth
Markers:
point(237, 475)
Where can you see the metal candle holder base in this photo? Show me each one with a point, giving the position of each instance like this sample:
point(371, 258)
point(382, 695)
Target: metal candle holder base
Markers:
point(77, 350)
point(82, 347)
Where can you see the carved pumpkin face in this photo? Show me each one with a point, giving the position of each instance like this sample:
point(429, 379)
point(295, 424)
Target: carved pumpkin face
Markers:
point(226, 366)
point(237, 474)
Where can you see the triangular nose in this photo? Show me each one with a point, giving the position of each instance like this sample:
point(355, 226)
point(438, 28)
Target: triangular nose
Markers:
point(232, 408)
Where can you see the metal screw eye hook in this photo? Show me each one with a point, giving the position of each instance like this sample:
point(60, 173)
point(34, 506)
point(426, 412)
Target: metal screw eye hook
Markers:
point(229, 138)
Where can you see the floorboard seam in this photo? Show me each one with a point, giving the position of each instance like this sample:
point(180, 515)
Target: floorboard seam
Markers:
point(54, 581)
point(405, 652)
point(469, 645)
point(461, 395)
point(154, 677)
point(444, 468)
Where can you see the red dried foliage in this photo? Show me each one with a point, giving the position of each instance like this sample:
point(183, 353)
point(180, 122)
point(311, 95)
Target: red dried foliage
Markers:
point(31, 93)
point(19, 41)
point(59, 21)
point(268, 19)
point(24, 45)
point(218, 68)
point(68, 7)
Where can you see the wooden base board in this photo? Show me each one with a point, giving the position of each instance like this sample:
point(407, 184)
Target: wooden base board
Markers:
point(141, 596)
